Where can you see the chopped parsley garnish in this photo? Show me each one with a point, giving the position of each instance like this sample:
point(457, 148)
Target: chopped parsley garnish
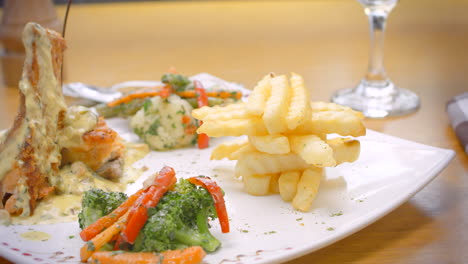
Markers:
point(337, 214)
point(146, 105)
point(181, 111)
point(153, 129)
point(90, 246)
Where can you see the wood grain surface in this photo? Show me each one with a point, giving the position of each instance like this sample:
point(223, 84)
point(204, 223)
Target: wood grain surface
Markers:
point(325, 41)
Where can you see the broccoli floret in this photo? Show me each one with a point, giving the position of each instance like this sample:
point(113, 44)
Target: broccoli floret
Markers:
point(97, 203)
point(180, 220)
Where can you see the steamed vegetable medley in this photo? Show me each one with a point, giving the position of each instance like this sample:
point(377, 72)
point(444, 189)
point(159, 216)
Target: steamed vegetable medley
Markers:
point(161, 116)
point(165, 217)
point(165, 123)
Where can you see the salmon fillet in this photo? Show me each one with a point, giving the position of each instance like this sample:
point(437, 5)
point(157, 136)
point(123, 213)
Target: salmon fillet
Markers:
point(30, 153)
point(102, 151)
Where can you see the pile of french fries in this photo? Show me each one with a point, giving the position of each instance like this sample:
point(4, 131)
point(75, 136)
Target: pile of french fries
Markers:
point(286, 148)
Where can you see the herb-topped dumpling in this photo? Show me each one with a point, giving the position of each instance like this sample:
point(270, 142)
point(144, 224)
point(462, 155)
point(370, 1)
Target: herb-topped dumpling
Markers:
point(165, 123)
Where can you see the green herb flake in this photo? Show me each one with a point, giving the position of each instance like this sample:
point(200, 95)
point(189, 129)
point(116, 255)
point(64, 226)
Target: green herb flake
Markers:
point(161, 258)
point(153, 129)
point(330, 229)
point(244, 231)
point(181, 111)
point(336, 214)
point(139, 131)
point(146, 105)
point(117, 252)
point(91, 246)
point(71, 237)
point(299, 219)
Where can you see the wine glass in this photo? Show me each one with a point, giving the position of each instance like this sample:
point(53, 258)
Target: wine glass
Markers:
point(376, 96)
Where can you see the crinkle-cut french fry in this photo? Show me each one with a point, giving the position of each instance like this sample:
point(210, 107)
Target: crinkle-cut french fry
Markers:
point(274, 188)
point(345, 149)
point(271, 144)
point(236, 113)
point(313, 150)
point(259, 96)
point(287, 184)
point(299, 105)
point(276, 108)
point(257, 184)
point(257, 163)
point(205, 111)
point(325, 106)
point(226, 149)
point(307, 189)
point(247, 148)
point(234, 127)
point(328, 122)
point(319, 123)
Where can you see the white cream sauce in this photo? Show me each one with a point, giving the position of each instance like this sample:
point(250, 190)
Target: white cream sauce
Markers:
point(133, 153)
point(11, 150)
point(76, 179)
point(78, 120)
point(35, 236)
point(51, 210)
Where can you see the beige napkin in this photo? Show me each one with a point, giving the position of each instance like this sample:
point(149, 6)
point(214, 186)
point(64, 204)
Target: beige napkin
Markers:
point(457, 109)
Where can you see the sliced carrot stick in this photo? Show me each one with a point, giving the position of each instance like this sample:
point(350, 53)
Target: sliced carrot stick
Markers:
point(102, 238)
point(131, 97)
point(107, 220)
point(165, 93)
point(218, 94)
point(203, 140)
point(224, 94)
point(137, 219)
point(187, 94)
point(191, 255)
point(186, 119)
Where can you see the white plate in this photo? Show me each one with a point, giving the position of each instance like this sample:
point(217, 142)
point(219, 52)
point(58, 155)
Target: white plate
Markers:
point(266, 229)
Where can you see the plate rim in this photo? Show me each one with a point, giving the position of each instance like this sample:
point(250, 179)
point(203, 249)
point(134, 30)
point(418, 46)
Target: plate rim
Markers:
point(376, 215)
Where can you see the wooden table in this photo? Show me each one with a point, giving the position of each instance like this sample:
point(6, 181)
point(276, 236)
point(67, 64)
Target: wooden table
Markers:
point(326, 42)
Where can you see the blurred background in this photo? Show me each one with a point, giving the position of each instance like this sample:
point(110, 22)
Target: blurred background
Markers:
point(327, 42)
point(92, 1)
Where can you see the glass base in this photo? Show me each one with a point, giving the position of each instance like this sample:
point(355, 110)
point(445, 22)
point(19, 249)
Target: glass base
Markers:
point(378, 99)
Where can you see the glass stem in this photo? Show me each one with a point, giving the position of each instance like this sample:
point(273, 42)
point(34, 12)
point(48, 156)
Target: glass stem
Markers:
point(377, 21)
